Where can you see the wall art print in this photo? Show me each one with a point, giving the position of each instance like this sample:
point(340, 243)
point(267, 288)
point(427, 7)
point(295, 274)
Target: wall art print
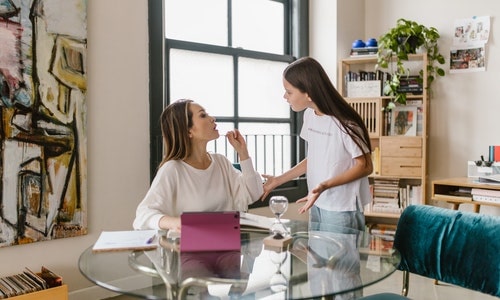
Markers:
point(43, 156)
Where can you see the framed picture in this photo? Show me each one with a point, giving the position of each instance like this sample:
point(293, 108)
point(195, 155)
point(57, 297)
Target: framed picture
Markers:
point(404, 120)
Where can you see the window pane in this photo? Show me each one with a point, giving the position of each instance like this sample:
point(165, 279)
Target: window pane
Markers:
point(258, 25)
point(206, 78)
point(199, 21)
point(260, 89)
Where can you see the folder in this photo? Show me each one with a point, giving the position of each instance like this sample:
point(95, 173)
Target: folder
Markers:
point(210, 231)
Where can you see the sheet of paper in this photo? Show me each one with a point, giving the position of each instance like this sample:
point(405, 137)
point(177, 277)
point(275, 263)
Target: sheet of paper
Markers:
point(126, 240)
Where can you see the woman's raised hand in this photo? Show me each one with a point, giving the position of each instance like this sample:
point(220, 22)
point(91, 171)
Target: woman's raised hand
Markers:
point(238, 142)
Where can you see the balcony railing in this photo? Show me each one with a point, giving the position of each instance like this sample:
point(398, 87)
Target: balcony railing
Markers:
point(272, 154)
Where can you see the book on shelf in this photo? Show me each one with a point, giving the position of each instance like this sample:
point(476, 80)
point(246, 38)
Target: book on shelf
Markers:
point(482, 198)
point(376, 160)
point(387, 200)
point(386, 208)
point(494, 153)
point(364, 51)
point(484, 192)
point(461, 192)
point(392, 198)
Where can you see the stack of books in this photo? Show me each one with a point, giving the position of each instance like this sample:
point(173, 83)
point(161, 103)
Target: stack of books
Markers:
point(386, 195)
point(485, 195)
point(411, 85)
point(364, 51)
point(410, 195)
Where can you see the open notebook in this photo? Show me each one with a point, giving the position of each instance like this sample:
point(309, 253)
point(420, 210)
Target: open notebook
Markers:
point(210, 231)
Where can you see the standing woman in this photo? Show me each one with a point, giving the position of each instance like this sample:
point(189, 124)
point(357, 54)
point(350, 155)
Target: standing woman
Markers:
point(339, 149)
point(191, 179)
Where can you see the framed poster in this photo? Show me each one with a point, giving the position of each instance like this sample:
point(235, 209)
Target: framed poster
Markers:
point(404, 121)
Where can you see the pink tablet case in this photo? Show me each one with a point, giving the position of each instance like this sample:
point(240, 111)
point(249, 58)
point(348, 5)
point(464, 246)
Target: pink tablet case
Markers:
point(210, 231)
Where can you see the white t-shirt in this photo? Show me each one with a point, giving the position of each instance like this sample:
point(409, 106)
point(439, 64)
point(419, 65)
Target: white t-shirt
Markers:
point(331, 151)
point(178, 187)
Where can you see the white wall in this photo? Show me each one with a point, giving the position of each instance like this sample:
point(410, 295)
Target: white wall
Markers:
point(463, 116)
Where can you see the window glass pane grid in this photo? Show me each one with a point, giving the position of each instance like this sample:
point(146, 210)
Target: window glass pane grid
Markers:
point(258, 25)
point(188, 20)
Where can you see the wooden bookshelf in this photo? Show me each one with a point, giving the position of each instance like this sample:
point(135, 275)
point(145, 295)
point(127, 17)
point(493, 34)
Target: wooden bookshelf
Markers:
point(449, 190)
point(402, 157)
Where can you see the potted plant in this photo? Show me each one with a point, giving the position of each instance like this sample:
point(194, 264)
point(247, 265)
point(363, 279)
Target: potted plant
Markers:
point(395, 46)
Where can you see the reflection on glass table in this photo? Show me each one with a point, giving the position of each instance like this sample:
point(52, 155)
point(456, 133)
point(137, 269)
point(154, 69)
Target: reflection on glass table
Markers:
point(332, 261)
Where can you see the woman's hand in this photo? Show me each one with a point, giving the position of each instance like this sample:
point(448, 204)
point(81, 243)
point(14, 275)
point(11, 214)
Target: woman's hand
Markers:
point(238, 142)
point(311, 198)
point(170, 223)
point(270, 184)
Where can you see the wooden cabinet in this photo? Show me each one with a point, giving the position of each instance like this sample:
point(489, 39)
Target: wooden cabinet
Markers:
point(401, 157)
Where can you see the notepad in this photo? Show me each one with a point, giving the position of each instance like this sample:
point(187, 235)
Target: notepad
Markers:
point(126, 240)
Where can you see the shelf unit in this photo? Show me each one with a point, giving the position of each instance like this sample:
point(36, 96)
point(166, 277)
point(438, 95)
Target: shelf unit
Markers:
point(398, 156)
point(448, 190)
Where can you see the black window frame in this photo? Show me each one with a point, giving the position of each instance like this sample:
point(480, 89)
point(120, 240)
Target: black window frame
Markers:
point(296, 45)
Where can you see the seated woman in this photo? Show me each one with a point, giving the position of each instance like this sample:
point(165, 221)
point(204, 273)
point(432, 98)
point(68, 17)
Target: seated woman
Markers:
point(191, 179)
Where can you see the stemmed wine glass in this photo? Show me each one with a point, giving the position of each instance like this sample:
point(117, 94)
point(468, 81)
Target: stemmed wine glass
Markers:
point(278, 205)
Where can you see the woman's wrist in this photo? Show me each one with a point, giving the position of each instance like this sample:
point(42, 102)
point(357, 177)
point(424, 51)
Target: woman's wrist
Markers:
point(324, 186)
point(243, 155)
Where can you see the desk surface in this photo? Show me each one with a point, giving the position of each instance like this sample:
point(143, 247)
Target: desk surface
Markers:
point(467, 182)
point(316, 263)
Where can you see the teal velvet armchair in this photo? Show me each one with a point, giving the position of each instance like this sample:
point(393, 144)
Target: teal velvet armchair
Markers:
point(460, 248)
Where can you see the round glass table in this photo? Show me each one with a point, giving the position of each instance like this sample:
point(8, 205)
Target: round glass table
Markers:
point(308, 264)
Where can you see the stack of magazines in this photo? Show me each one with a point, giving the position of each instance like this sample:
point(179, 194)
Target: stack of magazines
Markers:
point(28, 282)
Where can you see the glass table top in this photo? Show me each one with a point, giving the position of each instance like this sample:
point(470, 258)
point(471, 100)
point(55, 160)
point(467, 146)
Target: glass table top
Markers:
point(308, 264)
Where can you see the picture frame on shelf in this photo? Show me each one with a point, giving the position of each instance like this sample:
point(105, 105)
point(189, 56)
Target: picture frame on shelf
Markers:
point(404, 121)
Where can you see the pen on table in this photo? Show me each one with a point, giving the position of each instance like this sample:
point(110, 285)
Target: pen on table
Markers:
point(151, 239)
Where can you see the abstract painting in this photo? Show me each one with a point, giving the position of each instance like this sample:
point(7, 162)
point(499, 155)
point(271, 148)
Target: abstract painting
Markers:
point(43, 154)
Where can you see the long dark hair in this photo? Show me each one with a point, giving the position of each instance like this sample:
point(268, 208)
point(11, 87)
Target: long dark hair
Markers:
point(176, 120)
point(307, 75)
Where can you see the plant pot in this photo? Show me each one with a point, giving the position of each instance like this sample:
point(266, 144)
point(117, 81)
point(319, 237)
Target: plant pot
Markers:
point(408, 44)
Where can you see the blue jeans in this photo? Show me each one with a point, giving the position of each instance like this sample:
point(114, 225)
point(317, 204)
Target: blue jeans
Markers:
point(349, 219)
